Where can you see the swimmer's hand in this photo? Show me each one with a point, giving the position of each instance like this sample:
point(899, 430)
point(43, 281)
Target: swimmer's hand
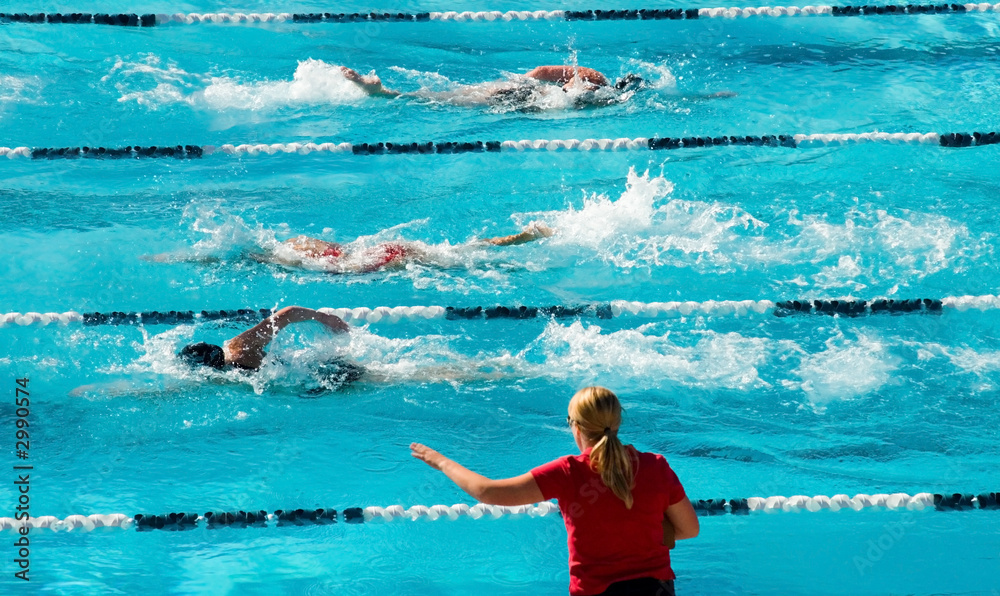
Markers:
point(539, 230)
point(83, 389)
point(371, 84)
point(428, 456)
point(520, 490)
point(669, 533)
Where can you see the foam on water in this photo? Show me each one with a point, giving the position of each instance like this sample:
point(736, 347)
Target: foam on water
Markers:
point(914, 244)
point(641, 228)
point(647, 227)
point(984, 364)
point(225, 234)
point(847, 369)
point(635, 356)
point(19, 89)
point(656, 76)
point(151, 83)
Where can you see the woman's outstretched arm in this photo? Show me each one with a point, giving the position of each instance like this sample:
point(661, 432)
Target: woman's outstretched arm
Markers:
point(519, 490)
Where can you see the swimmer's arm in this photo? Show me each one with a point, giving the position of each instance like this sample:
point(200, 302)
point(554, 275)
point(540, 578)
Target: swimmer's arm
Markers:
point(137, 387)
point(530, 234)
point(519, 490)
point(268, 258)
point(371, 84)
point(705, 96)
point(680, 522)
point(109, 389)
point(351, 75)
point(246, 350)
point(298, 314)
point(180, 258)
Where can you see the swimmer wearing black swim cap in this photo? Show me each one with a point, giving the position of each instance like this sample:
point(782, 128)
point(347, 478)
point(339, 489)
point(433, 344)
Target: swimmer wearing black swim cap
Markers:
point(630, 82)
point(246, 350)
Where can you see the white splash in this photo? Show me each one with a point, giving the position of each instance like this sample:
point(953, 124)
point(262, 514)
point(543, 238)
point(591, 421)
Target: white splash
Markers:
point(657, 76)
point(873, 245)
point(19, 89)
point(645, 228)
point(701, 359)
point(153, 84)
point(847, 369)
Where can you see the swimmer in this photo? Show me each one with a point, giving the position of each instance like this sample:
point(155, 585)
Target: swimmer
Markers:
point(370, 84)
point(570, 77)
point(552, 86)
point(246, 350)
point(588, 79)
point(314, 253)
point(586, 87)
point(335, 258)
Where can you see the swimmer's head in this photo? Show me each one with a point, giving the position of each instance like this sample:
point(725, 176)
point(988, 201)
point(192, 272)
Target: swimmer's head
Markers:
point(630, 82)
point(203, 354)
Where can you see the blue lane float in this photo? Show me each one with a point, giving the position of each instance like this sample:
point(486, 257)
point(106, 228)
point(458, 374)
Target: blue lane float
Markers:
point(180, 521)
point(608, 310)
point(641, 14)
point(656, 143)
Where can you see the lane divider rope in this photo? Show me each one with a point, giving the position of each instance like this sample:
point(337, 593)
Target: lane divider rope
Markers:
point(151, 20)
point(958, 139)
point(613, 309)
point(356, 515)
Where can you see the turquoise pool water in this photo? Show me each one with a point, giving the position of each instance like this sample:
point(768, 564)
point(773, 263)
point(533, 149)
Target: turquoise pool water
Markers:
point(750, 406)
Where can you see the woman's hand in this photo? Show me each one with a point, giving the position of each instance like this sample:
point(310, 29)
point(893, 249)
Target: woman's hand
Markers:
point(520, 490)
point(427, 455)
point(669, 533)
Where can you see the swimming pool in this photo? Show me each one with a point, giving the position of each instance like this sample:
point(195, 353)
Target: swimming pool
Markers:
point(756, 405)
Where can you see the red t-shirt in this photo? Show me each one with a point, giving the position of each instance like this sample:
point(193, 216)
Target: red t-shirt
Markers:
point(607, 542)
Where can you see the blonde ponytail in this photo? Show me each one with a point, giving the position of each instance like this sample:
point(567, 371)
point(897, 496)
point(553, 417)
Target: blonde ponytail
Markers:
point(598, 414)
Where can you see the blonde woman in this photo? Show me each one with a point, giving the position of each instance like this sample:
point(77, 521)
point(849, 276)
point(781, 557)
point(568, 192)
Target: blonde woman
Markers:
point(623, 509)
